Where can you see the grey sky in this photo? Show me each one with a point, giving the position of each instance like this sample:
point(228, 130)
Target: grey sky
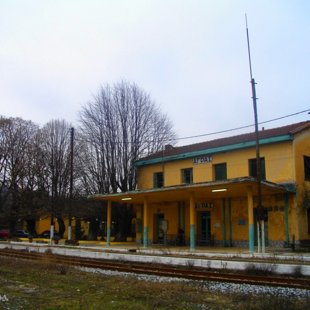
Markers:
point(191, 56)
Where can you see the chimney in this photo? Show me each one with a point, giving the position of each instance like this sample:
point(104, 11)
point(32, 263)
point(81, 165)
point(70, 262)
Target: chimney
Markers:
point(168, 147)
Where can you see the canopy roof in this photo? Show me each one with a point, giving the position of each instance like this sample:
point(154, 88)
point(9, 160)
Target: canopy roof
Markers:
point(237, 187)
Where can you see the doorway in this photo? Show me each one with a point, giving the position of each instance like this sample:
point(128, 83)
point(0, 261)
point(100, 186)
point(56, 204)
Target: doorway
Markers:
point(204, 228)
point(158, 232)
point(265, 224)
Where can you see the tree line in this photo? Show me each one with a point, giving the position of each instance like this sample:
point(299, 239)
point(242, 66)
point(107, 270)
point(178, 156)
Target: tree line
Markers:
point(117, 127)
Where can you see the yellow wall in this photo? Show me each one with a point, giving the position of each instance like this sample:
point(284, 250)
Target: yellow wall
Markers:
point(279, 163)
point(239, 214)
point(44, 223)
point(301, 148)
point(239, 219)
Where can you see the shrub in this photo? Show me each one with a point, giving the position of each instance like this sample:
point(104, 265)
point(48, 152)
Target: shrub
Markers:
point(260, 269)
point(72, 242)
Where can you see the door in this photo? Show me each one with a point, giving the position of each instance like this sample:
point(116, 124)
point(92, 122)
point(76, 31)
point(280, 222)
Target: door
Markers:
point(266, 226)
point(204, 228)
point(158, 231)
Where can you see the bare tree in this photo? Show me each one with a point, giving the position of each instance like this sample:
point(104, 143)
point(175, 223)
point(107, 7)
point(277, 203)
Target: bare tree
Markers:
point(120, 125)
point(16, 140)
point(35, 173)
point(56, 153)
point(35, 187)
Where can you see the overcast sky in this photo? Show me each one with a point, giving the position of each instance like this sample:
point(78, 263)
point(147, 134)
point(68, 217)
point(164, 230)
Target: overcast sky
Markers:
point(190, 56)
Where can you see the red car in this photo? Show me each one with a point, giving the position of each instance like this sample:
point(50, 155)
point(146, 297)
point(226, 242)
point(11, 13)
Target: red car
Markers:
point(4, 233)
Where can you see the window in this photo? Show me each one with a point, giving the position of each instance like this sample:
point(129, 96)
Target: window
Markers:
point(187, 175)
point(220, 172)
point(307, 168)
point(253, 168)
point(158, 179)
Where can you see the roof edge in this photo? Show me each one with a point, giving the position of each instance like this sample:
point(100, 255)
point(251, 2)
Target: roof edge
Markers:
point(216, 150)
point(285, 187)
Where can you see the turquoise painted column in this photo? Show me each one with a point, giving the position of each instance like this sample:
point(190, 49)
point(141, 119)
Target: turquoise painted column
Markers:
point(192, 222)
point(183, 215)
point(229, 223)
point(179, 215)
point(141, 225)
point(109, 222)
point(224, 221)
point(287, 236)
point(145, 224)
point(250, 219)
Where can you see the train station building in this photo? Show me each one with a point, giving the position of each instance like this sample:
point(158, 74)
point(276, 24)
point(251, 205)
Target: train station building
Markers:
point(206, 194)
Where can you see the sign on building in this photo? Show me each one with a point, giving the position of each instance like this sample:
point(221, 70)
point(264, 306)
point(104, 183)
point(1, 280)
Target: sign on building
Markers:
point(202, 160)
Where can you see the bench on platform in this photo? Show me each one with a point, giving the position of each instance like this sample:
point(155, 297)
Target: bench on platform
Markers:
point(206, 241)
point(304, 244)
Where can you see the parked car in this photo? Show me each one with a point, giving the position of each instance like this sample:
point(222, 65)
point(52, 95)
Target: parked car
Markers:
point(5, 233)
point(21, 233)
point(46, 234)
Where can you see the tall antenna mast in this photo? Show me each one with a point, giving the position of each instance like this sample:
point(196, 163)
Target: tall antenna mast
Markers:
point(249, 51)
point(260, 210)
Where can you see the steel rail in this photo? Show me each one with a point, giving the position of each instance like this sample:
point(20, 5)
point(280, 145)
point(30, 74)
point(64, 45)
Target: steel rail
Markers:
point(161, 270)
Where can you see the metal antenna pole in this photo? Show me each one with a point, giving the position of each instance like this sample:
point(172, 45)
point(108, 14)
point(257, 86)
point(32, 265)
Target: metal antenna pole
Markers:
point(53, 197)
point(260, 210)
point(71, 186)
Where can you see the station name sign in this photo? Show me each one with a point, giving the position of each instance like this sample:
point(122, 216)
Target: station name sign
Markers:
point(204, 205)
point(202, 160)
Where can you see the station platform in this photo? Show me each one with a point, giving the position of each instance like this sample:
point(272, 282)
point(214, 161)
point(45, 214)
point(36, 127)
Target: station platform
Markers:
point(280, 261)
point(199, 249)
point(209, 251)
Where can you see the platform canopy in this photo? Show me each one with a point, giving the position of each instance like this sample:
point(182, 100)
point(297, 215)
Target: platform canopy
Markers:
point(208, 190)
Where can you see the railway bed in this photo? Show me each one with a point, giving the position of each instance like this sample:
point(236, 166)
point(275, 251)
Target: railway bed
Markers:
point(258, 272)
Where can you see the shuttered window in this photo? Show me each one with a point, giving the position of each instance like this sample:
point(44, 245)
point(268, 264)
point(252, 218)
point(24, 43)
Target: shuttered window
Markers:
point(307, 168)
point(253, 168)
point(220, 172)
point(158, 179)
point(187, 175)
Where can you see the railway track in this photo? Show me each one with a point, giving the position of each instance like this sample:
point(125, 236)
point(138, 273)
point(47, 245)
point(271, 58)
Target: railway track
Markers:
point(161, 270)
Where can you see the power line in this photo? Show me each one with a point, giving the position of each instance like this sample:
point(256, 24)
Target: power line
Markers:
point(239, 128)
point(213, 133)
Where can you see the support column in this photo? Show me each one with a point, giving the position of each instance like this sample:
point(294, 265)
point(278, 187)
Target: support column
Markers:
point(263, 236)
point(181, 215)
point(258, 226)
point(109, 222)
point(139, 224)
point(145, 224)
point(287, 236)
point(192, 221)
point(250, 219)
point(224, 222)
point(229, 223)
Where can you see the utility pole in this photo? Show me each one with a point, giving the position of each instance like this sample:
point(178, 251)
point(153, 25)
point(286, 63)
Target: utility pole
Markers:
point(53, 197)
point(71, 185)
point(260, 209)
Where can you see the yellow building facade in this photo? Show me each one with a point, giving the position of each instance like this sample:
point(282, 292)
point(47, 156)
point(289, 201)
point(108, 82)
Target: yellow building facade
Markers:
point(207, 193)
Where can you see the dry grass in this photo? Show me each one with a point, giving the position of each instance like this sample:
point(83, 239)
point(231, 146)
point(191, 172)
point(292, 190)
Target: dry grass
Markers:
point(33, 285)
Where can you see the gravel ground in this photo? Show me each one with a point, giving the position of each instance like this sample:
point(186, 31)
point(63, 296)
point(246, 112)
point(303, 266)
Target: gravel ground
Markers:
point(222, 287)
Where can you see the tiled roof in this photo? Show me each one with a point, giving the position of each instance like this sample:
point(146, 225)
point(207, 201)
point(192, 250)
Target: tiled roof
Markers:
point(263, 134)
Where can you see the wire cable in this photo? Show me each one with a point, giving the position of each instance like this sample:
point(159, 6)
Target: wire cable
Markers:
point(239, 128)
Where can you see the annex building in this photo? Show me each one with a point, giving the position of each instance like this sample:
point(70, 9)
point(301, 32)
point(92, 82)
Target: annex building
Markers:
point(206, 193)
